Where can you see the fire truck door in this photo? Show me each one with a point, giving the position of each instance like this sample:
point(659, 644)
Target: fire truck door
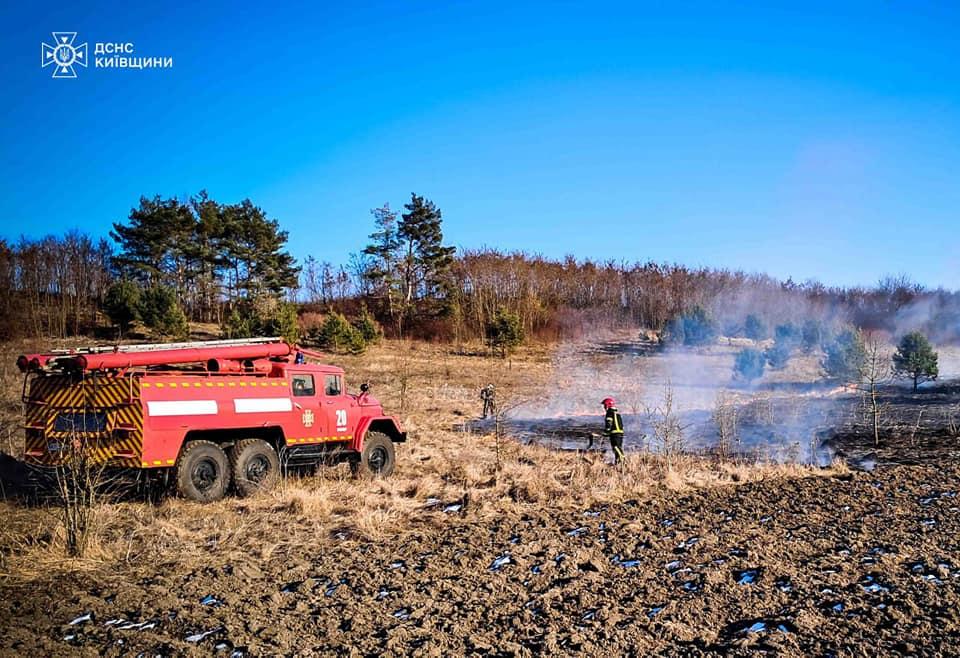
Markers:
point(341, 409)
point(307, 407)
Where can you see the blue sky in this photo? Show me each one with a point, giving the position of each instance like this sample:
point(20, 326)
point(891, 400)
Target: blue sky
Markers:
point(806, 140)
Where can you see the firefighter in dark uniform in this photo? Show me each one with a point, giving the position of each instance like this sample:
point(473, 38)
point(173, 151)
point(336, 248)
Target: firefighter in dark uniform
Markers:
point(489, 395)
point(613, 429)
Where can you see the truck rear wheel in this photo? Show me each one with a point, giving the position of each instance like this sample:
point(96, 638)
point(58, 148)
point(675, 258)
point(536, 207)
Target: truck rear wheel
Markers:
point(203, 472)
point(254, 466)
point(378, 457)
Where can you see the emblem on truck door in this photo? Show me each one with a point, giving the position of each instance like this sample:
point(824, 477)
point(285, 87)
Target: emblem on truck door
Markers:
point(308, 418)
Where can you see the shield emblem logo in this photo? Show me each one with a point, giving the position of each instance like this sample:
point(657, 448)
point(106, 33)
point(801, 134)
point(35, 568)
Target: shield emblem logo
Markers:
point(308, 418)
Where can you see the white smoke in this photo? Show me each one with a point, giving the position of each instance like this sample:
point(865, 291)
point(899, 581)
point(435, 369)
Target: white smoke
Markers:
point(782, 415)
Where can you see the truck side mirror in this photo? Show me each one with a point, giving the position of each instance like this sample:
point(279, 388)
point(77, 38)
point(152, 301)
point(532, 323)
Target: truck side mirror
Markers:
point(364, 387)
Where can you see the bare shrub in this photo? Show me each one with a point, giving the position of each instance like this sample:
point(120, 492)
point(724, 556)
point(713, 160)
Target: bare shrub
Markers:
point(760, 410)
point(668, 432)
point(80, 482)
point(11, 437)
point(506, 401)
point(634, 400)
point(310, 323)
point(793, 452)
point(726, 418)
point(951, 420)
point(916, 428)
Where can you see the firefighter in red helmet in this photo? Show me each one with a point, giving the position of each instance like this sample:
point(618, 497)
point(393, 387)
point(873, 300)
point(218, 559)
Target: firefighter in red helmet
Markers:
point(613, 429)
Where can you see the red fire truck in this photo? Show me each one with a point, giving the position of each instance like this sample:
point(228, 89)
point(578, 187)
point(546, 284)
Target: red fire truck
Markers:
point(211, 415)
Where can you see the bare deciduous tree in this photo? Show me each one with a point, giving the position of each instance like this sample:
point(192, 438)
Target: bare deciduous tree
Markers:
point(875, 372)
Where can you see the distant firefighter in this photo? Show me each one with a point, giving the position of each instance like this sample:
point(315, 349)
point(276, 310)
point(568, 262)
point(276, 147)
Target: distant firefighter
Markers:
point(488, 394)
point(613, 429)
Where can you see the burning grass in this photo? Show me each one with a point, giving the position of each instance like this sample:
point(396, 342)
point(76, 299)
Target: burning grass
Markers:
point(445, 475)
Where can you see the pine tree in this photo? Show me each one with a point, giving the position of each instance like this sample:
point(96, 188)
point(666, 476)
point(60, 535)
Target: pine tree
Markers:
point(204, 251)
point(122, 304)
point(162, 313)
point(367, 326)
point(754, 328)
point(425, 261)
point(385, 250)
point(152, 243)
point(787, 338)
point(505, 332)
point(778, 355)
point(748, 364)
point(811, 335)
point(916, 359)
point(845, 356)
point(788, 335)
point(338, 335)
point(253, 247)
point(203, 248)
point(698, 327)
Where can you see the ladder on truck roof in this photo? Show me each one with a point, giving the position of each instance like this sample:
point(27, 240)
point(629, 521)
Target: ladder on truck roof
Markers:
point(153, 347)
point(111, 357)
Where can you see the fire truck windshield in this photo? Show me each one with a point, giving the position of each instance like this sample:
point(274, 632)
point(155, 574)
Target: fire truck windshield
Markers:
point(303, 385)
point(332, 385)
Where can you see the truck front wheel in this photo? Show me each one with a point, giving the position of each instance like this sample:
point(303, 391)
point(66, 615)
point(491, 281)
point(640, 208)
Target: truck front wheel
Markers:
point(378, 457)
point(254, 465)
point(203, 472)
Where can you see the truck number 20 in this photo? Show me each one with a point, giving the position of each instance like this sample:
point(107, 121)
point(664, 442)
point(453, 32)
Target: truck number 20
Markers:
point(341, 417)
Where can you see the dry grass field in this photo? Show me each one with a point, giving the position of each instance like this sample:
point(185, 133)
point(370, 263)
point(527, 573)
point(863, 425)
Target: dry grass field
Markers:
point(480, 546)
point(434, 391)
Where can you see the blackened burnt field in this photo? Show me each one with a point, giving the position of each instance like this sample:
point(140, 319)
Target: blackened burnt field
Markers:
point(849, 564)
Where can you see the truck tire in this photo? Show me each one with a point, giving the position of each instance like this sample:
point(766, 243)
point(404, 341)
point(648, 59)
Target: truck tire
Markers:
point(254, 466)
point(378, 457)
point(203, 472)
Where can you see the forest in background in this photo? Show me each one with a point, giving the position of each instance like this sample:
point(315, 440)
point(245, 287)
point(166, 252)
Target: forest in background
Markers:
point(174, 261)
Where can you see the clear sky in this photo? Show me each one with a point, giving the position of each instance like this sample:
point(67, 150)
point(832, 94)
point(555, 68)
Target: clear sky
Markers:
point(806, 140)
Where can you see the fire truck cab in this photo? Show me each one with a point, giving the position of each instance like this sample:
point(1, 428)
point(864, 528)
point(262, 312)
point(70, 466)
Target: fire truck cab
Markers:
point(214, 416)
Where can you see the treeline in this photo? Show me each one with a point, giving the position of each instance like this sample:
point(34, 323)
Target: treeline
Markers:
point(171, 261)
point(53, 286)
point(196, 259)
point(562, 299)
point(416, 285)
point(558, 299)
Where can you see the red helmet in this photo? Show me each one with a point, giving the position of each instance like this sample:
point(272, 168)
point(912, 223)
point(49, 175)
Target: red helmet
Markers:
point(608, 402)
